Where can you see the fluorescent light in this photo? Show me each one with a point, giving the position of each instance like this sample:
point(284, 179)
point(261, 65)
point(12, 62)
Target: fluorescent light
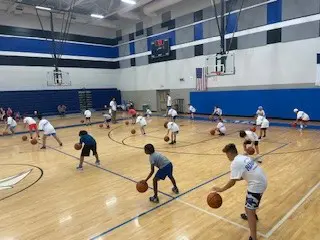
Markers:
point(43, 8)
point(97, 16)
point(129, 1)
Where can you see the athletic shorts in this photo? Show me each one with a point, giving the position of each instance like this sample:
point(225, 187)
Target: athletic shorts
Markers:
point(164, 172)
point(12, 127)
point(174, 118)
point(51, 134)
point(253, 200)
point(33, 127)
point(134, 115)
point(256, 143)
point(108, 120)
point(88, 118)
point(86, 150)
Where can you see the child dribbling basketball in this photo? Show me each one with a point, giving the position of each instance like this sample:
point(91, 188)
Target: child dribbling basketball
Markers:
point(133, 114)
point(142, 122)
point(11, 123)
point(252, 139)
point(89, 145)
point(221, 128)
point(244, 168)
point(165, 170)
point(174, 129)
point(192, 111)
point(32, 125)
point(107, 119)
point(48, 130)
point(87, 114)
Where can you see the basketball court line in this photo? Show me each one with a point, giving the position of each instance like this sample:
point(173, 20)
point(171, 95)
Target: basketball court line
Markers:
point(219, 217)
point(292, 210)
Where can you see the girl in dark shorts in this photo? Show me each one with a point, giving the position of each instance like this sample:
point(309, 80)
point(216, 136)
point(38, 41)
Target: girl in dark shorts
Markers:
point(89, 145)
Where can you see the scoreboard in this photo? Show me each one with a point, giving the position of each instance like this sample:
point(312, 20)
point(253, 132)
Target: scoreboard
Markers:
point(160, 48)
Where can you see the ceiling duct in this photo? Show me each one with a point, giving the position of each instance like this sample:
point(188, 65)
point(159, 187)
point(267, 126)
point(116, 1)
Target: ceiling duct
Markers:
point(155, 6)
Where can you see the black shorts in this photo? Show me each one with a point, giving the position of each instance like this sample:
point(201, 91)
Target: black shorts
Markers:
point(134, 115)
point(256, 143)
point(174, 118)
point(253, 200)
point(88, 118)
point(86, 150)
point(108, 120)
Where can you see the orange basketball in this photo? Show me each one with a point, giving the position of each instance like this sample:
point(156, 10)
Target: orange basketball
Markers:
point(82, 121)
point(34, 141)
point(253, 129)
point(127, 123)
point(165, 124)
point(133, 131)
point(142, 187)
point(294, 124)
point(77, 146)
point(214, 200)
point(212, 132)
point(108, 127)
point(24, 138)
point(250, 150)
point(166, 139)
point(101, 125)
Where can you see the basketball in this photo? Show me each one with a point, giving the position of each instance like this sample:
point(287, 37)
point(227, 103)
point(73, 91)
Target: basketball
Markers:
point(24, 138)
point(142, 187)
point(34, 141)
point(127, 123)
point(108, 127)
point(101, 125)
point(250, 150)
point(165, 124)
point(253, 129)
point(77, 146)
point(293, 124)
point(212, 132)
point(82, 121)
point(214, 200)
point(166, 139)
point(133, 131)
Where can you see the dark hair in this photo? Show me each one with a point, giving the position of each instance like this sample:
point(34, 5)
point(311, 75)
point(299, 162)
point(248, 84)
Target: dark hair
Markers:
point(230, 148)
point(39, 117)
point(165, 124)
point(242, 134)
point(83, 132)
point(149, 148)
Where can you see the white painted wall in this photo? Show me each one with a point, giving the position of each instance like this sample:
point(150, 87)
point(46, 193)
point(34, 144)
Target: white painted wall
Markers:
point(275, 64)
point(35, 78)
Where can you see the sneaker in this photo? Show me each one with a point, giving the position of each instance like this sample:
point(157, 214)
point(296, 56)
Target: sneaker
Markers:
point(60, 144)
point(97, 163)
point(175, 190)
point(80, 168)
point(174, 142)
point(171, 143)
point(244, 216)
point(154, 199)
point(259, 160)
point(43, 147)
point(259, 138)
point(250, 238)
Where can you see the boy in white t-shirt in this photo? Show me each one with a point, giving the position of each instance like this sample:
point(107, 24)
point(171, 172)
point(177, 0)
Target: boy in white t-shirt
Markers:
point(302, 118)
point(173, 113)
point(192, 111)
point(87, 114)
point(250, 138)
point(148, 113)
point(264, 127)
point(48, 130)
point(142, 122)
point(107, 119)
point(11, 124)
point(32, 125)
point(174, 129)
point(221, 128)
point(216, 114)
point(244, 168)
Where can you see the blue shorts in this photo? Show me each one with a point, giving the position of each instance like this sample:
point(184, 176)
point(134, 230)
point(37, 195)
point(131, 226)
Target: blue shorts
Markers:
point(11, 128)
point(253, 200)
point(51, 134)
point(164, 172)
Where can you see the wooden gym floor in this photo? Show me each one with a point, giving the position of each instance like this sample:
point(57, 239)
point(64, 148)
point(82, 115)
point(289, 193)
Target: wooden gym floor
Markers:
point(54, 201)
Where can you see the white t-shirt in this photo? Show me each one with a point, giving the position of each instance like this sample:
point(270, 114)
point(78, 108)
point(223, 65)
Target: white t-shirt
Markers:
point(173, 127)
point(260, 113)
point(259, 120)
point(172, 112)
point(265, 123)
point(11, 122)
point(87, 113)
point(244, 167)
point(303, 116)
point(192, 109)
point(142, 121)
point(221, 127)
point(148, 112)
point(110, 112)
point(29, 120)
point(107, 116)
point(113, 105)
point(169, 101)
point(251, 136)
point(218, 111)
point(46, 126)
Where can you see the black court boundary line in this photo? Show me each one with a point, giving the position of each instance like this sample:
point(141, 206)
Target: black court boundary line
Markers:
point(21, 190)
point(174, 198)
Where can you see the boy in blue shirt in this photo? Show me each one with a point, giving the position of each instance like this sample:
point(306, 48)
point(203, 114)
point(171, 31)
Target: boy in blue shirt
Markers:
point(89, 145)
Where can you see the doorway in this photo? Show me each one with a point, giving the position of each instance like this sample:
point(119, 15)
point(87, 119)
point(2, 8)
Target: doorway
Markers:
point(162, 100)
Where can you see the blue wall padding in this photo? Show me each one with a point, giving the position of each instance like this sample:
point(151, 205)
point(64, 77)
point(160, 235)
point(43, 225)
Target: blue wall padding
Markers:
point(15, 44)
point(198, 31)
point(274, 12)
point(47, 101)
point(278, 103)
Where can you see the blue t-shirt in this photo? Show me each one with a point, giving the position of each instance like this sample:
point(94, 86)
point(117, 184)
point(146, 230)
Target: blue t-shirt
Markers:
point(87, 140)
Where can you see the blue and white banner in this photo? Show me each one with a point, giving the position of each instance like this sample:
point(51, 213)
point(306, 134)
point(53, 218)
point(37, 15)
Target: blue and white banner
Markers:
point(318, 70)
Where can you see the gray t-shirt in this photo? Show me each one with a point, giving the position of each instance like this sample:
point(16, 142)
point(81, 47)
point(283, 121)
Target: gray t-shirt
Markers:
point(158, 160)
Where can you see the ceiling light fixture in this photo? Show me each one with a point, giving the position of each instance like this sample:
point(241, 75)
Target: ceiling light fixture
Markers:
point(129, 1)
point(43, 8)
point(97, 16)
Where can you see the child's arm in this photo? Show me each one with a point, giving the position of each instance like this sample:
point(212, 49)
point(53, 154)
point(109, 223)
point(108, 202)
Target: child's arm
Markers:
point(230, 184)
point(168, 132)
point(151, 173)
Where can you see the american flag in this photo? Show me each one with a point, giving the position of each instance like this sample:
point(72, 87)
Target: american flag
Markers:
point(201, 79)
